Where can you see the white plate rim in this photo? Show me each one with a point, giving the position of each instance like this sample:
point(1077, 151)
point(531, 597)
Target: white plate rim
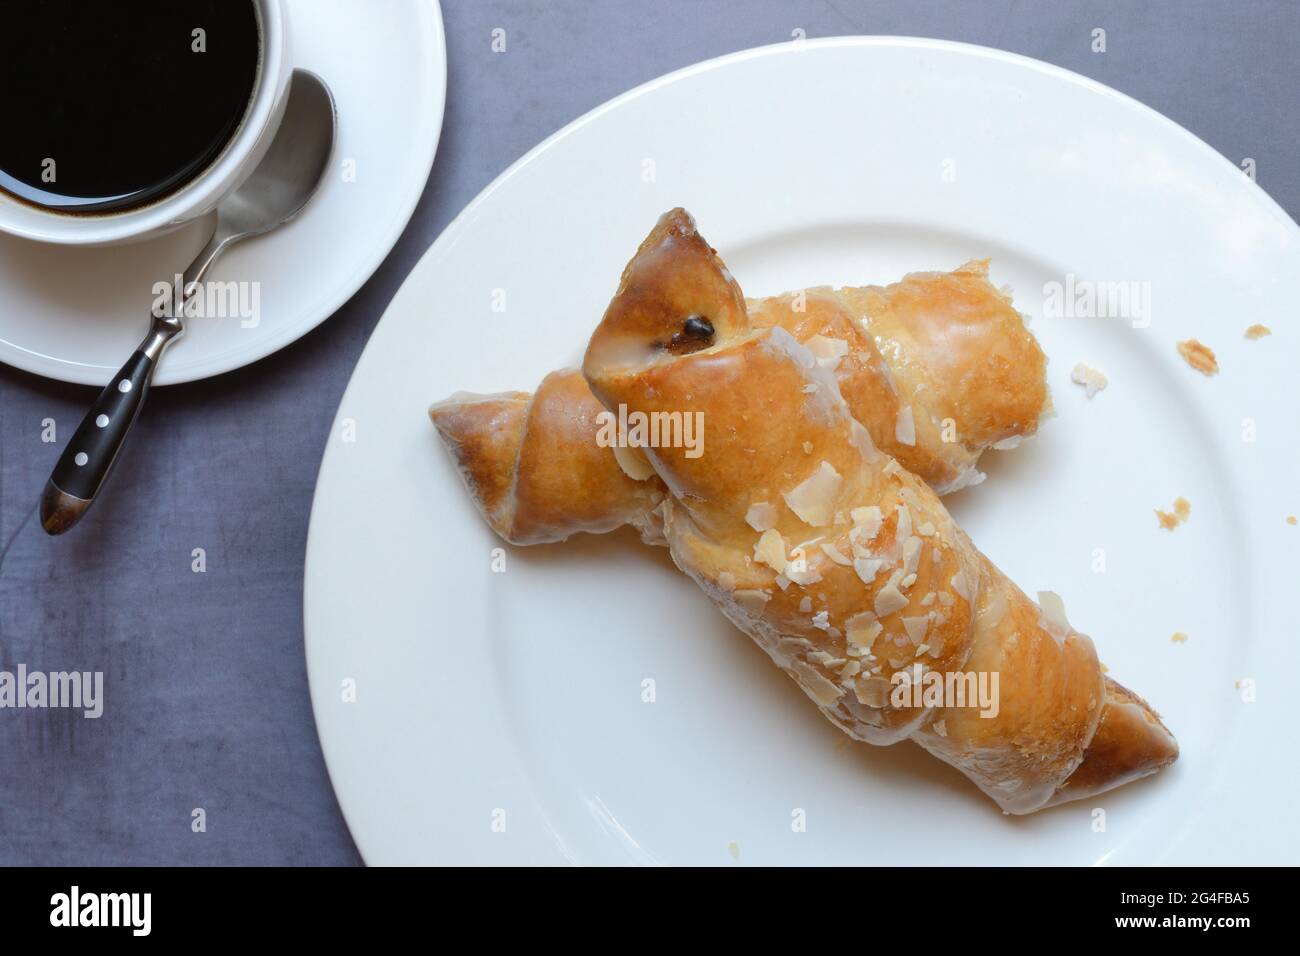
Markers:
point(349, 799)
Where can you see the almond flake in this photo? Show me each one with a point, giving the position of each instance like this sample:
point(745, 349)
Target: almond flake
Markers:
point(867, 568)
point(863, 628)
point(827, 350)
point(916, 628)
point(761, 516)
point(800, 570)
point(905, 426)
point(813, 499)
point(815, 685)
point(1092, 380)
point(889, 599)
point(835, 554)
point(868, 519)
point(633, 462)
point(770, 550)
point(872, 692)
point(861, 439)
point(912, 554)
point(903, 530)
point(1053, 618)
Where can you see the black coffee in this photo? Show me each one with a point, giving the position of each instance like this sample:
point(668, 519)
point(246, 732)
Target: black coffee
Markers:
point(109, 104)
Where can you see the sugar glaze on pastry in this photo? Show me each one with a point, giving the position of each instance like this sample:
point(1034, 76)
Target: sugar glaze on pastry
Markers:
point(938, 367)
point(842, 565)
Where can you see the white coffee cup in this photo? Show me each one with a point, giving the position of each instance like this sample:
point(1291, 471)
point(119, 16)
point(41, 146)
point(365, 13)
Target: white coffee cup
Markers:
point(200, 194)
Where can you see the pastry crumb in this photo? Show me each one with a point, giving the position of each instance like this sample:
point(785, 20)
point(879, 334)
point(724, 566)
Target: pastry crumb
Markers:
point(1171, 520)
point(1179, 637)
point(1290, 519)
point(1258, 332)
point(1092, 380)
point(1198, 356)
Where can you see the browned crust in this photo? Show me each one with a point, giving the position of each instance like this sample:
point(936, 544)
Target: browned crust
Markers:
point(532, 464)
point(1131, 742)
point(483, 434)
point(954, 349)
point(1063, 731)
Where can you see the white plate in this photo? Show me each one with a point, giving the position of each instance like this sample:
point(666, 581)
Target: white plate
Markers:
point(822, 162)
point(76, 314)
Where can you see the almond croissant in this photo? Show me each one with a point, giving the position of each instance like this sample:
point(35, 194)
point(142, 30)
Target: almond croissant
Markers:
point(938, 367)
point(838, 562)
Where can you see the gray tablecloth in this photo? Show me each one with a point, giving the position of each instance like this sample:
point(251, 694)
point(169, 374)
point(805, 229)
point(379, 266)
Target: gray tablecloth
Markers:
point(206, 702)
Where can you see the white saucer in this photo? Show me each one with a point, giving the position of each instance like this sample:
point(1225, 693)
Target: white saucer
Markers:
point(76, 314)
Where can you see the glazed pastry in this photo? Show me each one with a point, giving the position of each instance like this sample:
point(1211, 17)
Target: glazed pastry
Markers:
point(534, 469)
point(844, 567)
point(938, 367)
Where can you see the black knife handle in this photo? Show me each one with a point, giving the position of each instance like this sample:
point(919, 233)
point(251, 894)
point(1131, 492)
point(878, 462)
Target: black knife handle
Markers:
point(89, 456)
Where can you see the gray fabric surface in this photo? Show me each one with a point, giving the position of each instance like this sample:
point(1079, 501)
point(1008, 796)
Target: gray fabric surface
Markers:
point(206, 697)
